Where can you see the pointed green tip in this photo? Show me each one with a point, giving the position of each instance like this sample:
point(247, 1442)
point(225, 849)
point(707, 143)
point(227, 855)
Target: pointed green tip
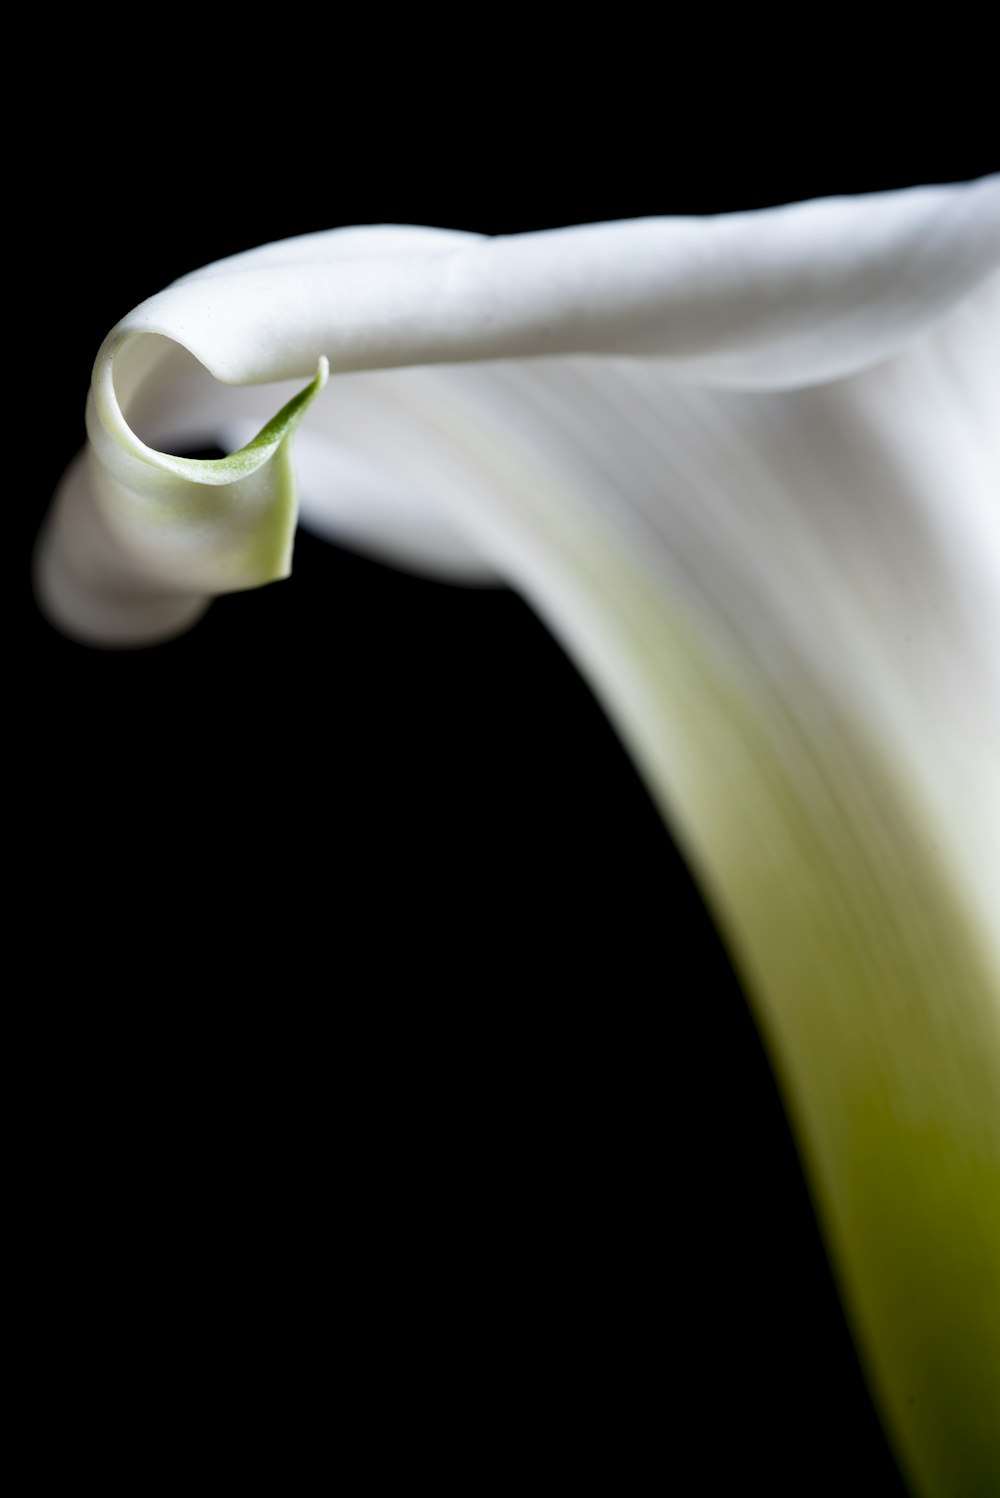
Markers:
point(284, 423)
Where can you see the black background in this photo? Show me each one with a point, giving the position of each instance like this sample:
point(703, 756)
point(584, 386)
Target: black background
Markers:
point(374, 997)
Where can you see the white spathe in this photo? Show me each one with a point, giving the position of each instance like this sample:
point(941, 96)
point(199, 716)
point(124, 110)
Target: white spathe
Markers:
point(748, 469)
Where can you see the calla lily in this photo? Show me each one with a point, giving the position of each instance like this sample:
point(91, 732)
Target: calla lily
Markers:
point(747, 469)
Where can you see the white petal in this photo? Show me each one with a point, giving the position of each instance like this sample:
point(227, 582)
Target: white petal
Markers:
point(787, 598)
